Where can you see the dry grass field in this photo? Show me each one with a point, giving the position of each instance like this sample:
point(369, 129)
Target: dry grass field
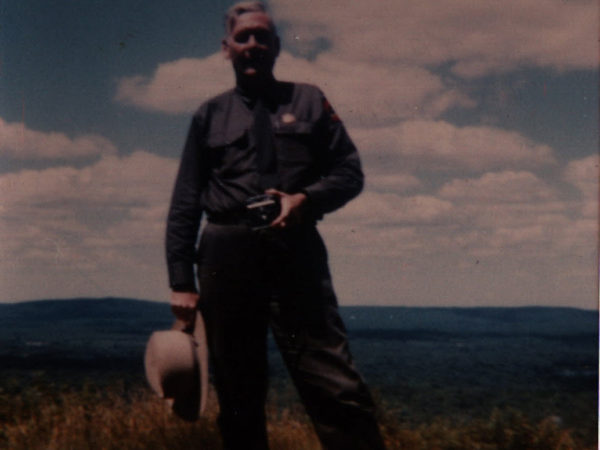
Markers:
point(95, 418)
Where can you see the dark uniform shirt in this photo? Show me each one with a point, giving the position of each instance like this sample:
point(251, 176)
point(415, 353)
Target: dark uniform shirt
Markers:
point(219, 171)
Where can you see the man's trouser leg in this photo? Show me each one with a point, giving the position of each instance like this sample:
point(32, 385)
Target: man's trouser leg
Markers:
point(239, 272)
point(236, 323)
point(312, 339)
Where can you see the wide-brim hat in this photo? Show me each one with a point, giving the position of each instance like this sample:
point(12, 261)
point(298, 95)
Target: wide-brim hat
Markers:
point(176, 365)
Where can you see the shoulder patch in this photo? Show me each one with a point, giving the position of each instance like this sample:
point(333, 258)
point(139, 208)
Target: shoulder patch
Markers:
point(329, 111)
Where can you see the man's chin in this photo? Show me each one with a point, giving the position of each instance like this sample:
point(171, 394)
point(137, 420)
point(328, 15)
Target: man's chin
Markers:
point(251, 72)
point(254, 75)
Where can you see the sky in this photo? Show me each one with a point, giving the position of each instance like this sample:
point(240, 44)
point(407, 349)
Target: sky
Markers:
point(476, 121)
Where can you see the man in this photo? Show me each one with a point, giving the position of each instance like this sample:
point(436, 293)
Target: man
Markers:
point(285, 140)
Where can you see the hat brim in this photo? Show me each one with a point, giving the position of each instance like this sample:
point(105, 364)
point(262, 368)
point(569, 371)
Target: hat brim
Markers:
point(190, 405)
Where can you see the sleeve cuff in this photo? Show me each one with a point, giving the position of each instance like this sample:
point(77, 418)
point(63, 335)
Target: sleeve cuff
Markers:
point(184, 288)
point(312, 200)
point(181, 277)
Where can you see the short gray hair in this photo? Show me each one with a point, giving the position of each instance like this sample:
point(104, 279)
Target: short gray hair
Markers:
point(242, 8)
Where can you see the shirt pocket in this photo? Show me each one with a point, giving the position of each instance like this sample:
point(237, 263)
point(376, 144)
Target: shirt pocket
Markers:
point(294, 142)
point(229, 153)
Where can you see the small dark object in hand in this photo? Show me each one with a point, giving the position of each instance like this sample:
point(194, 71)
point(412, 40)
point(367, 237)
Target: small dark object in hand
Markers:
point(261, 210)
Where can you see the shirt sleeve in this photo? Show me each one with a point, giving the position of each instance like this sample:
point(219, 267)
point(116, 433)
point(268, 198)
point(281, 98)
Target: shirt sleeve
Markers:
point(342, 178)
point(185, 212)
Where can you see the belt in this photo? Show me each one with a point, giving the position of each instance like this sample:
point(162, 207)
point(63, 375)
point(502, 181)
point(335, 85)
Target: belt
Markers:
point(258, 213)
point(228, 218)
point(241, 218)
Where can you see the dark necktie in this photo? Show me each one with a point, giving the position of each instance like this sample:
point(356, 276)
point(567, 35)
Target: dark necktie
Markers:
point(265, 146)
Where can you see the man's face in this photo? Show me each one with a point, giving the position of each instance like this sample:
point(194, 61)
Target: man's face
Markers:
point(252, 46)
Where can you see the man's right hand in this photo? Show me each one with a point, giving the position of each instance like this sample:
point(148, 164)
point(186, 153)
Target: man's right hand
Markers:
point(183, 305)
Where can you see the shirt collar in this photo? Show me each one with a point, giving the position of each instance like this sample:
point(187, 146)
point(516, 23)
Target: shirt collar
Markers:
point(268, 94)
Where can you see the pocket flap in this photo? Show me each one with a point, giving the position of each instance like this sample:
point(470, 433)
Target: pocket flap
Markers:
point(294, 128)
point(225, 138)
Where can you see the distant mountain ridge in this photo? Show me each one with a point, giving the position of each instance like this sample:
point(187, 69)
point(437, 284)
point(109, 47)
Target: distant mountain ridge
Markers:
point(126, 311)
point(77, 307)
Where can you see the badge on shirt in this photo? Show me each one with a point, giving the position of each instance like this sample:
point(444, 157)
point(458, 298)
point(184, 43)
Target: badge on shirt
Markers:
point(288, 118)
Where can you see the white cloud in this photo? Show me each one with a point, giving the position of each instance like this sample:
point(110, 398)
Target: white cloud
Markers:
point(501, 187)
point(362, 93)
point(438, 145)
point(506, 238)
point(178, 86)
point(113, 180)
point(393, 209)
point(505, 207)
point(583, 174)
point(516, 231)
point(100, 229)
point(397, 182)
point(582, 232)
point(20, 142)
point(476, 37)
point(513, 218)
point(366, 94)
point(101, 225)
point(480, 215)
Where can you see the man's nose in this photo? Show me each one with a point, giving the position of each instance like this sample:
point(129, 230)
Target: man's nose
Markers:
point(252, 42)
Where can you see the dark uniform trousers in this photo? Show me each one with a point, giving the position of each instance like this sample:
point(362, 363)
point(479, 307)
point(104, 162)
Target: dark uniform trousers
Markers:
point(250, 280)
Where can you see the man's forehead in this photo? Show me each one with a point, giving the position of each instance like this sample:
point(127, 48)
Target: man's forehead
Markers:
point(252, 20)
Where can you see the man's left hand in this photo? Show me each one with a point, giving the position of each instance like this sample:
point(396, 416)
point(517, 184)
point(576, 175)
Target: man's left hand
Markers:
point(183, 306)
point(292, 206)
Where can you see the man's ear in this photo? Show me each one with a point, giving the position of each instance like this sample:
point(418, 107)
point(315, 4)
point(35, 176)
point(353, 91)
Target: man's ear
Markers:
point(225, 49)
